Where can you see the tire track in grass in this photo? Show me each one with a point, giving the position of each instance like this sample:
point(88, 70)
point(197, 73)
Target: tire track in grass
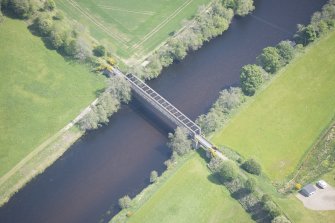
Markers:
point(125, 10)
point(97, 23)
point(162, 24)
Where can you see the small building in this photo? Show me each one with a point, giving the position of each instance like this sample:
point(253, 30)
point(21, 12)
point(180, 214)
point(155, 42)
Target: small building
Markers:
point(308, 190)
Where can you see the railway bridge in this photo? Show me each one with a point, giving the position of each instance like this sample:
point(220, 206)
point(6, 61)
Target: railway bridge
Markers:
point(170, 111)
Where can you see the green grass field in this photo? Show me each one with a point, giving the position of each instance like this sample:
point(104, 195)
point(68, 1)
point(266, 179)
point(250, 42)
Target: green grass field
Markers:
point(283, 121)
point(190, 196)
point(293, 207)
point(132, 27)
point(39, 92)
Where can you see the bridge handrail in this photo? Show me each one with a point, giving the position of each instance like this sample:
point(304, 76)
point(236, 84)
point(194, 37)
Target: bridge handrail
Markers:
point(189, 127)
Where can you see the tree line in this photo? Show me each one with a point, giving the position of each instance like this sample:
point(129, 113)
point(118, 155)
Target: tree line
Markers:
point(118, 91)
point(69, 38)
point(245, 189)
point(208, 23)
point(269, 62)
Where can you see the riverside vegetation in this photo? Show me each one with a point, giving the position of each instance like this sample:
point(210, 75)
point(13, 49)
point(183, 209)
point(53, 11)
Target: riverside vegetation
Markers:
point(255, 193)
point(30, 117)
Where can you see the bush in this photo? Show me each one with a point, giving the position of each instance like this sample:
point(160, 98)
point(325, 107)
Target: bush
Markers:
point(250, 185)
point(280, 219)
point(153, 176)
point(270, 60)
point(99, 51)
point(49, 5)
point(44, 24)
point(179, 142)
point(265, 198)
point(251, 78)
point(215, 164)
point(22, 8)
point(125, 202)
point(286, 51)
point(272, 209)
point(251, 166)
point(228, 171)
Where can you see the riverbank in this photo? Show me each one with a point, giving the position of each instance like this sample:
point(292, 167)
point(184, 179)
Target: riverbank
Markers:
point(32, 92)
point(172, 198)
point(290, 113)
point(97, 163)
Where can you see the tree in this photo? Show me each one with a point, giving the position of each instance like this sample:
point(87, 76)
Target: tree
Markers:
point(265, 198)
point(23, 8)
point(286, 51)
point(56, 38)
point(215, 164)
point(250, 185)
point(119, 88)
point(89, 121)
point(229, 99)
point(305, 34)
point(44, 24)
point(125, 202)
point(244, 7)
point(251, 166)
point(70, 46)
point(270, 60)
point(272, 209)
point(213, 120)
point(99, 51)
point(179, 141)
point(280, 219)
point(228, 171)
point(49, 5)
point(251, 78)
point(153, 176)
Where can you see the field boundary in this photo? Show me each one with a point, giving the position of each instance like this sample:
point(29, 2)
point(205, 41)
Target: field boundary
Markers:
point(97, 22)
point(162, 24)
point(18, 167)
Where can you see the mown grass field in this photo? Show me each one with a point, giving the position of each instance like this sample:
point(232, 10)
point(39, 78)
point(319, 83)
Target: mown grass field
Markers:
point(191, 195)
point(131, 27)
point(283, 121)
point(40, 92)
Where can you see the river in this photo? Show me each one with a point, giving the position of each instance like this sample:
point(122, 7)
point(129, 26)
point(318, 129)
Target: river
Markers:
point(115, 160)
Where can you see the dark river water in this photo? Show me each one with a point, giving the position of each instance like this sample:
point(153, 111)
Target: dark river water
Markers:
point(117, 159)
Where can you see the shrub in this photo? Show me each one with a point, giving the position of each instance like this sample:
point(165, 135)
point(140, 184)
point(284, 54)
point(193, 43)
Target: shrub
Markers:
point(272, 209)
point(265, 198)
point(49, 5)
point(125, 202)
point(44, 24)
point(251, 166)
point(179, 141)
point(270, 60)
point(228, 171)
point(215, 164)
point(298, 186)
point(99, 51)
point(286, 51)
point(251, 78)
point(250, 185)
point(153, 176)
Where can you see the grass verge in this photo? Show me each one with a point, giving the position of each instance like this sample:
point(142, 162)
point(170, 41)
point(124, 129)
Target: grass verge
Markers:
point(284, 120)
point(40, 92)
point(186, 193)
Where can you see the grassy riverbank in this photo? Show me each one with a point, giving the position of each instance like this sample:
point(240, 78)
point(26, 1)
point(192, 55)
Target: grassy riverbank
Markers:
point(279, 125)
point(40, 92)
point(131, 27)
point(189, 194)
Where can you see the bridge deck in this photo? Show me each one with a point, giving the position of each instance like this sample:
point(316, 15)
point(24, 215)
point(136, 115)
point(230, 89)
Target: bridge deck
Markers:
point(162, 103)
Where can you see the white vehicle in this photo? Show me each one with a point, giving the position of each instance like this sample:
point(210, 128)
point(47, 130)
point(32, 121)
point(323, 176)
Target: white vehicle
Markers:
point(322, 184)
